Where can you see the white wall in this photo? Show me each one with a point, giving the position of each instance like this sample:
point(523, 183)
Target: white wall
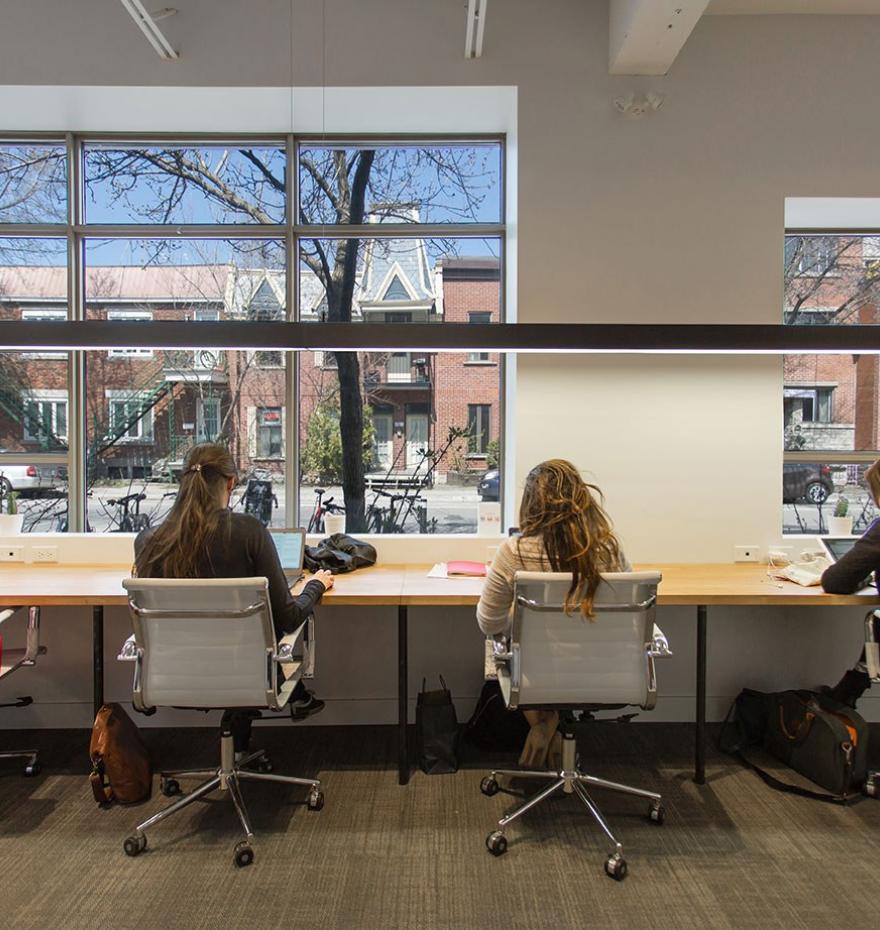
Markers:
point(676, 218)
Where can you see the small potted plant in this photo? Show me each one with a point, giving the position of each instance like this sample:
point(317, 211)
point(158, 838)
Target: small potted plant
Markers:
point(10, 519)
point(840, 523)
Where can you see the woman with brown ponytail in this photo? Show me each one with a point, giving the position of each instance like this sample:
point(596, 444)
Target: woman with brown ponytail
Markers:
point(563, 528)
point(202, 538)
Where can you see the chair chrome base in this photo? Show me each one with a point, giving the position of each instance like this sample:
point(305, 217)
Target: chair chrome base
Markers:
point(32, 766)
point(227, 777)
point(572, 781)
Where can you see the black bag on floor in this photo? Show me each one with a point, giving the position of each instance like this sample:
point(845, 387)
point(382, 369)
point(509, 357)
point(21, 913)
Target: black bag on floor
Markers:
point(821, 739)
point(436, 731)
point(492, 726)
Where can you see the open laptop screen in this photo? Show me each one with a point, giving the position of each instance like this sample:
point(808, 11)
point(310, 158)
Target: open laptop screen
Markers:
point(838, 546)
point(289, 544)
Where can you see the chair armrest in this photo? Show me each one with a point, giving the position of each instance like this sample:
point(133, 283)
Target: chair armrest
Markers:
point(659, 644)
point(33, 649)
point(128, 650)
point(7, 612)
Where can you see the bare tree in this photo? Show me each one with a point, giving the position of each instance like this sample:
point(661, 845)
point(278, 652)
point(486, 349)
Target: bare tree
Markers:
point(339, 187)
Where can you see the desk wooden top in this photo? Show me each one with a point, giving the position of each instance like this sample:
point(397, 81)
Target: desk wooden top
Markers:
point(408, 585)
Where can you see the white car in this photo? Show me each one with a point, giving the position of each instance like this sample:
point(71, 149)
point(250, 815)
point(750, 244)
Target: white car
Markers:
point(31, 478)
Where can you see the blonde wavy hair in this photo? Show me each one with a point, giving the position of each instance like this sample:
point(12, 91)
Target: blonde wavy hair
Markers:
point(177, 547)
point(566, 513)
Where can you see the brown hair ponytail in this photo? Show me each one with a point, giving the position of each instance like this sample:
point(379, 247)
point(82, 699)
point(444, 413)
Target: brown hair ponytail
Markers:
point(565, 512)
point(177, 547)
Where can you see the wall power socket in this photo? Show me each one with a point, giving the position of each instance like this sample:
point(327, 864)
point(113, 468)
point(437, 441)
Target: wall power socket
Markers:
point(746, 553)
point(45, 554)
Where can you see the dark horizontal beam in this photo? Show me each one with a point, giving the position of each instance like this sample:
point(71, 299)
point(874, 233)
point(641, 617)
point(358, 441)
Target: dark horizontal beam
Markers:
point(455, 337)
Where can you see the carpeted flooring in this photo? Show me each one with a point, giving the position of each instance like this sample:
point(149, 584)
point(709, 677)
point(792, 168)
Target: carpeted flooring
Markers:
point(733, 854)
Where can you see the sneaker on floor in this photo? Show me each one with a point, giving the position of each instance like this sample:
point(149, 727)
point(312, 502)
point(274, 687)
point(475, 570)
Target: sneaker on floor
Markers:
point(303, 707)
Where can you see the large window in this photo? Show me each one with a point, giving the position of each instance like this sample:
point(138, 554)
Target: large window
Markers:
point(201, 231)
point(830, 403)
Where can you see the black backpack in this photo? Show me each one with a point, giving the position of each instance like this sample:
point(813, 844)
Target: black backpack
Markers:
point(492, 726)
point(821, 739)
point(338, 554)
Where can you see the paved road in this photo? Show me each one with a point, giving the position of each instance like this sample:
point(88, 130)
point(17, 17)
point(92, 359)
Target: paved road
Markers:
point(454, 508)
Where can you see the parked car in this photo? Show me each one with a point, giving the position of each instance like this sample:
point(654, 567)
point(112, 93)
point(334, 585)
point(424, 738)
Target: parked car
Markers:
point(489, 486)
point(32, 480)
point(803, 481)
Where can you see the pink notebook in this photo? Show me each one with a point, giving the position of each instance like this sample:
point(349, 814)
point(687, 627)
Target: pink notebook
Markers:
point(477, 569)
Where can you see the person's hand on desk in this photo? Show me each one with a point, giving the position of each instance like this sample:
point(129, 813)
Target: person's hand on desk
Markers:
point(326, 578)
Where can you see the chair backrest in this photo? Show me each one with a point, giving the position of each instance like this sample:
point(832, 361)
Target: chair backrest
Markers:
point(559, 659)
point(203, 642)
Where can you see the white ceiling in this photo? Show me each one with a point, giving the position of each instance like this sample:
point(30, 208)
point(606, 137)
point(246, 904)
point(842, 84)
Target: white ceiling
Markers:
point(833, 7)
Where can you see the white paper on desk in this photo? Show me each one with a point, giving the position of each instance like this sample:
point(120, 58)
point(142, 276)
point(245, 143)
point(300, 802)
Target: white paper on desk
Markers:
point(805, 574)
point(438, 571)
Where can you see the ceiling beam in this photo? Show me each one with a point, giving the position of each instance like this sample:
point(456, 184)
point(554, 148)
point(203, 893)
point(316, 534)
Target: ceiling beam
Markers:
point(645, 36)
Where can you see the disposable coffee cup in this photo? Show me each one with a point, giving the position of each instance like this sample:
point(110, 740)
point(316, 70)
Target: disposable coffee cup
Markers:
point(334, 523)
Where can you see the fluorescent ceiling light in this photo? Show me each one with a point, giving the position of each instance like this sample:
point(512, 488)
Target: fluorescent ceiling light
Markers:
point(148, 27)
point(476, 25)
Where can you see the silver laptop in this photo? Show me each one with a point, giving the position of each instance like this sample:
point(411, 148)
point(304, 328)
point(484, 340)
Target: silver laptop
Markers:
point(291, 546)
point(836, 547)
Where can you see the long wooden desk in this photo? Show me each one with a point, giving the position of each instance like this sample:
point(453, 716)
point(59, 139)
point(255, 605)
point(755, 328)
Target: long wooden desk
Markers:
point(404, 586)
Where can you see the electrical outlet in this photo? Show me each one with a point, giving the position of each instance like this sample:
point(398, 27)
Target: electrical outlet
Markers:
point(746, 553)
point(10, 554)
point(45, 553)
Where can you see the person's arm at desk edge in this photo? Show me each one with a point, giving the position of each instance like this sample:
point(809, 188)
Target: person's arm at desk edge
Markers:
point(493, 609)
point(852, 572)
point(289, 611)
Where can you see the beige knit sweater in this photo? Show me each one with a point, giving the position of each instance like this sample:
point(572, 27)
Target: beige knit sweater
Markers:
point(515, 554)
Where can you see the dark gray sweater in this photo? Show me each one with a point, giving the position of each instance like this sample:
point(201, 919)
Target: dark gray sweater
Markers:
point(851, 573)
point(243, 548)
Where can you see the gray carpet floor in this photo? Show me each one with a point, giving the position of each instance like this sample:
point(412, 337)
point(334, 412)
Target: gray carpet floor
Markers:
point(732, 854)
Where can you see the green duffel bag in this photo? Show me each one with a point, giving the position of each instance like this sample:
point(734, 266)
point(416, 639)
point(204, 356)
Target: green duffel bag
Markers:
point(821, 739)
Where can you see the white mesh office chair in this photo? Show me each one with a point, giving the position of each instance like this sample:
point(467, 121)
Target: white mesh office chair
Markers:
point(556, 661)
point(14, 659)
point(209, 643)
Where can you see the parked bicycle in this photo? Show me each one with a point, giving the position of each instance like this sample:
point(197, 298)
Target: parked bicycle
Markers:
point(321, 509)
point(393, 518)
point(129, 518)
point(260, 500)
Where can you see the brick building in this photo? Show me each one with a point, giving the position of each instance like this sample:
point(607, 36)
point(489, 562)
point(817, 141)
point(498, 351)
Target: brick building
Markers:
point(145, 409)
point(830, 402)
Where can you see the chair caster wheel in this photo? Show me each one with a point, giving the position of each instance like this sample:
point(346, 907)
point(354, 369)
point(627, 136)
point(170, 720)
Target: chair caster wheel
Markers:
point(496, 843)
point(615, 866)
point(657, 814)
point(264, 764)
point(242, 855)
point(134, 845)
point(489, 786)
point(31, 769)
point(316, 799)
point(871, 789)
point(169, 787)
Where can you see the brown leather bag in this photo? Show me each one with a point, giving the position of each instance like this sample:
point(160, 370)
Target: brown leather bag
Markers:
point(121, 769)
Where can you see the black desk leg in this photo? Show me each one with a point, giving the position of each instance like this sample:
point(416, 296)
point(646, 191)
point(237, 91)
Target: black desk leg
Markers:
point(700, 744)
point(98, 658)
point(402, 699)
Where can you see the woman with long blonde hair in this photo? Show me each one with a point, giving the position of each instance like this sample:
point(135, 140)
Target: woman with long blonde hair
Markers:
point(202, 538)
point(563, 528)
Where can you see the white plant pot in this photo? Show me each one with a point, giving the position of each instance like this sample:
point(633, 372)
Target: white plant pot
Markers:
point(11, 523)
point(840, 526)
